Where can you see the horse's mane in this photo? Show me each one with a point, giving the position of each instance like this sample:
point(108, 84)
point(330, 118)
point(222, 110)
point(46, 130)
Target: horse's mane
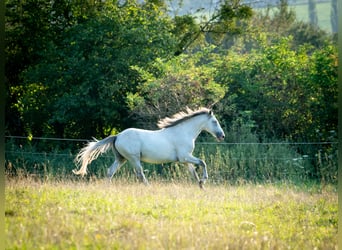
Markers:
point(181, 117)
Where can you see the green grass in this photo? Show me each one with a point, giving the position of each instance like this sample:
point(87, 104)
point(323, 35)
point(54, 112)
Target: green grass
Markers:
point(128, 215)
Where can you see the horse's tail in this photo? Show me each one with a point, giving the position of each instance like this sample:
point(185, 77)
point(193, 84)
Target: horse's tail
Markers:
point(91, 152)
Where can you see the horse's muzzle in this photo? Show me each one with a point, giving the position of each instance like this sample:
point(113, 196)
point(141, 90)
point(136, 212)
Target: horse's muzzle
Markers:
point(220, 136)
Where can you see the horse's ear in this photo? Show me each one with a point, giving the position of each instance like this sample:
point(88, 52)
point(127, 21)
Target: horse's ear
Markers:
point(211, 107)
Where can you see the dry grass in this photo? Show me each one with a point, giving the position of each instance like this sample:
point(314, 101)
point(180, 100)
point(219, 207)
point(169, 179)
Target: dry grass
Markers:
point(99, 215)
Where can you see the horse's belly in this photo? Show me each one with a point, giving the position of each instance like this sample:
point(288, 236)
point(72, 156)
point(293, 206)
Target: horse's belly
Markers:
point(158, 156)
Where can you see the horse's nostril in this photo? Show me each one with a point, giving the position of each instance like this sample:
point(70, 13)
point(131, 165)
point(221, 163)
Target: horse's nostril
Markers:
point(220, 136)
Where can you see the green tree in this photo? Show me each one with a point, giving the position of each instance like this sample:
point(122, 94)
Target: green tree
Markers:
point(192, 30)
point(334, 16)
point(67, 54)
point(281, 21)
point(187, 80)
point(285, 90)
point(324, 91)
point(86, 76)
point(30, 26)
point(312, 12)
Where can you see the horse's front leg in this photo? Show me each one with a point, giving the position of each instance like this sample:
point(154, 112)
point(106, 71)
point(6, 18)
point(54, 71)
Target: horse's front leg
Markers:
point(205, 174)
point(192, 170)
point(197, 161)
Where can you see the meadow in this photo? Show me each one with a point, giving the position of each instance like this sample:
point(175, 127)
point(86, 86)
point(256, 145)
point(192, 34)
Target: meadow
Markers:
point(96, 214)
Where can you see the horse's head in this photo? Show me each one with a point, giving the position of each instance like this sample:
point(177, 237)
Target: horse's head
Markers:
point(214, 127)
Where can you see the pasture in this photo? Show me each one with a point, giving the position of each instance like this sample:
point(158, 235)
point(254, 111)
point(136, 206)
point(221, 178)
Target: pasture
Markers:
point(95, 214)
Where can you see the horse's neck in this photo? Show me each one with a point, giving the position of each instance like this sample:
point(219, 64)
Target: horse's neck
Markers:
point(192, 127)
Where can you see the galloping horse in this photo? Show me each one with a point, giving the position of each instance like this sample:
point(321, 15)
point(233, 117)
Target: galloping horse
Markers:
point(173, 142)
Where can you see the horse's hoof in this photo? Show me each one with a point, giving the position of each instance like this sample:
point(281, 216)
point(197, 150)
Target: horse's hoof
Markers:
point(201, 184)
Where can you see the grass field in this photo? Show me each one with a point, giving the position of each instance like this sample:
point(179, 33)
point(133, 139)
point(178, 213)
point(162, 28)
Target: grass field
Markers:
point(127, 215)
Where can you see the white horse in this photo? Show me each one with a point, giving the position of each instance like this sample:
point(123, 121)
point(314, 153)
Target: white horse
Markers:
point(174, 142)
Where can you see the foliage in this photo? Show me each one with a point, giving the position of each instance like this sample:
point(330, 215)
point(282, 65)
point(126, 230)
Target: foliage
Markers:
point(281, 88)
point(182, 80)
point(226, 20)
point(85, 60)
point(31, 26)
point(93, 66)
point(92, 62)
point(304, 33)
point(281, 21)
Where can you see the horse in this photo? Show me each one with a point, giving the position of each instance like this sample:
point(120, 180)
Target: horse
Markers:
point(173, 142)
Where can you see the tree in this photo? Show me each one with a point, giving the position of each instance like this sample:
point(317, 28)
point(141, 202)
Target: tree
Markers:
point(324, 94)
point(276, 23)
point(225, 20)
point(183, 81)
point(313, 12)
point(334, 16)
point(31, 26)
point(86, 75)
point(60, 53)
point(285, 90)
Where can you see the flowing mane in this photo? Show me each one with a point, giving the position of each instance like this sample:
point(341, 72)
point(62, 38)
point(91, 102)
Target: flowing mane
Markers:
point(181, 117)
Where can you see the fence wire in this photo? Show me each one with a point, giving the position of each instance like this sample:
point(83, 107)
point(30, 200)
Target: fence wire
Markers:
point(203, 143)
point(22, 151)
point(228, 161)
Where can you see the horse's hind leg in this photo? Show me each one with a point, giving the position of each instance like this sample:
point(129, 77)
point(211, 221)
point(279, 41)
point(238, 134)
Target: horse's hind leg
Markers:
point(119, 161)
point(115, 167)
point(139, 171)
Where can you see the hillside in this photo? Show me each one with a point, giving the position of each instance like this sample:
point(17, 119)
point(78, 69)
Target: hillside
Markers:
point(300, 6)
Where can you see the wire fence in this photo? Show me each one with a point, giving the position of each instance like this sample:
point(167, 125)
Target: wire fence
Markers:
point(216, 144)
point(227, 161)
point(205, 143)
